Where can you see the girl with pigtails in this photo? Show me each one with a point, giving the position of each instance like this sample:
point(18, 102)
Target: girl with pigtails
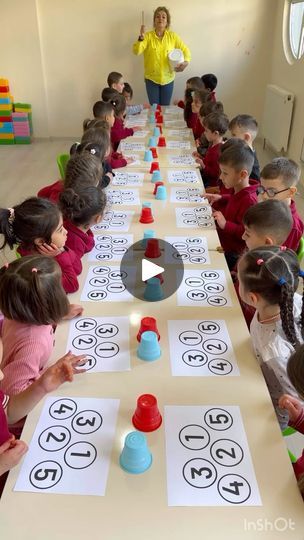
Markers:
point(269, 277)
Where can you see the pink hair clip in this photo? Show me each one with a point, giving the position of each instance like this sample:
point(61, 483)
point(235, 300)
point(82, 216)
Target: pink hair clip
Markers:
point(260, 261)
point(283, 248)
point(5, 265)
point(34, 270)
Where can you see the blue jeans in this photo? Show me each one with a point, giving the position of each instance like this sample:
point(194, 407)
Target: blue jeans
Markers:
point(159, 93)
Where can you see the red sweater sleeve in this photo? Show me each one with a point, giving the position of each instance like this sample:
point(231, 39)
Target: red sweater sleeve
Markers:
point(52, 191)
point(69, 276)
point(119, 132)
point(191, 122)
point(212, 170)
point(181, 104)
point(298, 424)
point(198, 129)
point(117, 160)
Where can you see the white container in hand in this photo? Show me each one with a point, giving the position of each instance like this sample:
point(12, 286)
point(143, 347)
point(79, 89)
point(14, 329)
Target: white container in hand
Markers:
point(175, 57)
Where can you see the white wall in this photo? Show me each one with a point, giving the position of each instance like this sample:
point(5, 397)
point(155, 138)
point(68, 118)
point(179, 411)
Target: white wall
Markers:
point(71, 45)
point(291, 77)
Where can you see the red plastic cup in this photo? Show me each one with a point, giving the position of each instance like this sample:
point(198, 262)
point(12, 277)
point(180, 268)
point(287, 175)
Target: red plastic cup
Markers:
point(148, 324)
point(161, 141)
point(161, 278)
point(152, 249)
point(160, 119)
point(154, 166)
point(158, 108)
point(160, 127)
point(156, 186)
point(147, 416)
point(146, 215)
point(154, 153)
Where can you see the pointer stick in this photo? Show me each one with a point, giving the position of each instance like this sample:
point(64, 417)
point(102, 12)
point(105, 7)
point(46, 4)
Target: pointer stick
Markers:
point(142, 18)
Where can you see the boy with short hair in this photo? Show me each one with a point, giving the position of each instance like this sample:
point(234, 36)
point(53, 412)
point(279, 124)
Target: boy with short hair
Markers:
point(279, 179)
point(128, 94)
point(267, 223)
point(209, 81)
point(235, 164)
point(115, 80)
point(245, 127)
point(216, 125)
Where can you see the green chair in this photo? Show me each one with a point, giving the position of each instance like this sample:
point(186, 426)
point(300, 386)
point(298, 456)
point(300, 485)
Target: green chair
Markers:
point(62, 160)
point(300, 251)
point(286, 433)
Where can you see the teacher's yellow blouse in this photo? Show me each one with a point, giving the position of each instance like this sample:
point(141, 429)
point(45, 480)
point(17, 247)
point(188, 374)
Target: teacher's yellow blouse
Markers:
point(155, 49)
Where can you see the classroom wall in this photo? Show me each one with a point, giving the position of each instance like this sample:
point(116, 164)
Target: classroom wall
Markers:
point(291, 77)
point(61, 63)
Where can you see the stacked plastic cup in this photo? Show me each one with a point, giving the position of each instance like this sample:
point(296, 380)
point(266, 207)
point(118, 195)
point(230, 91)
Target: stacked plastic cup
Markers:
point(135, 457)
point(148, 348)
point(147, 416)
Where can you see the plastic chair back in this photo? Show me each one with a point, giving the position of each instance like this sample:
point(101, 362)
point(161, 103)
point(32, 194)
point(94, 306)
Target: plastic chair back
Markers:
point(62, 160)
point(300, 252)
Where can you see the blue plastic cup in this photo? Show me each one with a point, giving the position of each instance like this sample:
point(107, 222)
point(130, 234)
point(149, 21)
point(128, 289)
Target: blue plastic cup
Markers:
point(148, 155)
point(148, 233)
point(135, 457)
point(156, 132)
point(152, 142)
point(148, 348)
point(156, 176)
point(161, 194)
point(154, 107)
point(153, 291)
point(152, 119)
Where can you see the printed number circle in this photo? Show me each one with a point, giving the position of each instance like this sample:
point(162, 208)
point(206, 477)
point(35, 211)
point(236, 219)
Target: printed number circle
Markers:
point(104, 238)
point(86, 324)
point(106, 330)
point(103, 245)
point(198, 260)
point(46, 474)
point(101, 270)
point(196, 250)
point(218, 419)
point(180, 245)
point(193, 240)
point(213, 288)
point(104, 256)
point(217, 301)
point(194, 437)
point(206, 224)
point(199, 473)
point(214, 346)
point(118, 275)
point(80, 455)
point(196, 296)
point(234, 488)
point(194, 281)
point(97, 295)
point(226, 452)
point(86, 422)
point(190, 337)
point(180, 256)
point(106, 349)
point(210, 275)
point(54, 438)
point(98, 281)
point(84, 342)
point(62, 409)
point(194, 358)
point(116, 288)
point(89, 364)
point(218, 366)
point(209, 327)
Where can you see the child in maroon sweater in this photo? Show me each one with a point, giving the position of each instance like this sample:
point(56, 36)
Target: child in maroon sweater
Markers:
point(294, 406)
point(209, 81)
point(199, 98)
point(118, 131)
point(82, 208)
point(278, 181)
point(228, 210)
point(216, 125)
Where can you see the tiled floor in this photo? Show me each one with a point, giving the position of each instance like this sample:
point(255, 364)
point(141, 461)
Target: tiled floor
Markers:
point(24, 169)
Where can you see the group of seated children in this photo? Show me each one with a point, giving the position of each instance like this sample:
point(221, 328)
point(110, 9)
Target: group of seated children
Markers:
point(258, 226)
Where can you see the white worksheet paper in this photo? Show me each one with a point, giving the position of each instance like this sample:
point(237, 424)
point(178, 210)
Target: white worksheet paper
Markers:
point(183, 159)
point(201, 348)
point(129, 197)
point(173, 145)
point(71, 447)
point(104, 341)
point(132, 146)
point(110, 247)
point(179, 133)
point(198, 217)
point(187, 195)
point(128, 179)
point(114, 221)
point(105, 283)
point(208, 457)
point(191, 249)
point(203, 288)
point(184, 176)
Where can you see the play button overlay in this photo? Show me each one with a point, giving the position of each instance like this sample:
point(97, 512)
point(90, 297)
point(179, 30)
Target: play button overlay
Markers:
point(149, 270)
point(159, 270)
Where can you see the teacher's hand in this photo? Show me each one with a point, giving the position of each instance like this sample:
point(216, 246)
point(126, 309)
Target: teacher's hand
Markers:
point(142, 30)
point(181, 67)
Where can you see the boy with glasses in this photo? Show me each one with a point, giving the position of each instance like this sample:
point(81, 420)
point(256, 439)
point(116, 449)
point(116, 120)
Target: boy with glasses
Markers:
point(278, 181)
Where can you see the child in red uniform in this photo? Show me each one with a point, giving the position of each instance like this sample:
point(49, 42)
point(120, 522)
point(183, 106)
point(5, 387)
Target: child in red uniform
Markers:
point(199, 98)
point(118, 131)
point(82, 208)
point(210, 83)
point(115, 81)
point(228, 210)
point(216, 125)
point(209, 107)
point(267, 223)
point(245, 127)
point(84, 168)
point(278, 181)
point(194, 83)
point(37, 226)
point(295, 372)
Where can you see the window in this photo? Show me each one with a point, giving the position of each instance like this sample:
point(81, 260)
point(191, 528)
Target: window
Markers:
point(296, 28)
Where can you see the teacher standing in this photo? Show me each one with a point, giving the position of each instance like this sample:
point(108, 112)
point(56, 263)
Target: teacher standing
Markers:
point(156, 45)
